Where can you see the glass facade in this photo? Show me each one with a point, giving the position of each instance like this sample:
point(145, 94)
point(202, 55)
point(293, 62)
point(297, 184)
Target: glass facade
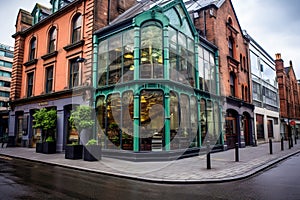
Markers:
point(157, 86)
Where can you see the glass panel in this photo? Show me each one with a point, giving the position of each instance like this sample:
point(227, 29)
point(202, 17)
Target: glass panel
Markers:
point(52, 40)
point(102, 63)
point(210, 120)
point(203, 119)
point(114, 59)
point(216, 120)
point(151, 120)
point(128, 51)
point(113, 108)
point(74, 73)
point(260, 126)
point(76, 33)
point(173, 54)
point(151, 51)
point(29, 84)
point(185, 135)
point(194, 122)
point(49, 79)
point(127, 121)
point(174, 120)
point(100, 108)
point(191, 62)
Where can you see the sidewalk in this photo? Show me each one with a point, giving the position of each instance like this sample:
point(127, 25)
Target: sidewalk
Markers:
point(189, 170)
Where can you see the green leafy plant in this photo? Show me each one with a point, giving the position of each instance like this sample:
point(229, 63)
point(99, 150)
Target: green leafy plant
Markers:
point(46, 121)
point(81, 118)
point(50, 139)
point(91, 142)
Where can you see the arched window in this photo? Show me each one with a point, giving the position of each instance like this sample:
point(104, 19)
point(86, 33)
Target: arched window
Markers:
point(243, 94)
point(32, 48)
point(230, 47)
point(229, 21)
point(232, 84)
point(76, 28)
point(52, 40)
point(151, 54)
point(241, 62)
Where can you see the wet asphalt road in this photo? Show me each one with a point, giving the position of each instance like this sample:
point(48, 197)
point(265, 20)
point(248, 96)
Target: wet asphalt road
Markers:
point(28, 180)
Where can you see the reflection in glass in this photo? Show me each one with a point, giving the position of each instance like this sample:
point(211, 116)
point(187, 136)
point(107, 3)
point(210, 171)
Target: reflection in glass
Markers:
point(151, 56)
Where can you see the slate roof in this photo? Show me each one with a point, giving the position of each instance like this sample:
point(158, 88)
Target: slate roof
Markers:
point(193, 5)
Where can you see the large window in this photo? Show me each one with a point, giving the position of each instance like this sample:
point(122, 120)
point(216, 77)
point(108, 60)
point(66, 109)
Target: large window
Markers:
point(116, 56)
point(30, 84)
point(230, 47)
point(151, 54)
point(32, 49)
point(182, 57)
point(74, 74)
point(76, 28)
point(52, 40)
point(49, 79)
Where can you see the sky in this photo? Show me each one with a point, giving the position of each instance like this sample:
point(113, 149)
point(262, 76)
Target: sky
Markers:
point(273, 24)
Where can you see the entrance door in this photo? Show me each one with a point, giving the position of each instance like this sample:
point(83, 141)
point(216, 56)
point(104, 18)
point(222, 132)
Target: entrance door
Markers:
point(246, 131)
point(231, 131)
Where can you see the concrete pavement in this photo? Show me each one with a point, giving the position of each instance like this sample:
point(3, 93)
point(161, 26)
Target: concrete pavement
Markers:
point(189, 170)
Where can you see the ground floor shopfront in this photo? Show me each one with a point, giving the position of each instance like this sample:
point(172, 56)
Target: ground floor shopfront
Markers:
point(22, 133)
point(267, 125)
point(289, 128)
point(239, 123)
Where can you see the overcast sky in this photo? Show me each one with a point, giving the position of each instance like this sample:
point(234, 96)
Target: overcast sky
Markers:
point(274, 24)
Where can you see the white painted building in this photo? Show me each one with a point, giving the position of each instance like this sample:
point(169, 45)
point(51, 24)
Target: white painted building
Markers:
point(265, 94)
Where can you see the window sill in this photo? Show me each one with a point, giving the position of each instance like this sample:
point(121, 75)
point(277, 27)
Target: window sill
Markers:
point(31, 62)
point(50, 55)
point(74, 45)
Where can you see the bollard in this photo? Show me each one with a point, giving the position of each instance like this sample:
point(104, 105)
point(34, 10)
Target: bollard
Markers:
point(295, 139)
point(289, 140)
point(208, 161)
point(237, 159)
point(292, 141)
point(282, 144)
point(270, 145)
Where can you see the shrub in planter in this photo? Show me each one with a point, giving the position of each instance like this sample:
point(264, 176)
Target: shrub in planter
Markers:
point(92, 151)
point(39, 147)
point(73, 151)
point(49, 146)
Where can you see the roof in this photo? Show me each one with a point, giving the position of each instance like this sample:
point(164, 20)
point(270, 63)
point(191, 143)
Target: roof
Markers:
point(193, 5)
point(43, 9)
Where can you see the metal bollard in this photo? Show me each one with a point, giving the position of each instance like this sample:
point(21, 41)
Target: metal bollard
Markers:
point(271, 146)
point(292, 141)
point(237, 159)
point(295, 139)
point(208, 161)
point(282, 144)
point(289, 140)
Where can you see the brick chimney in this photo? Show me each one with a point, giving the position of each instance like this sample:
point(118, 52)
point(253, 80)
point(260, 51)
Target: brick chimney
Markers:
point(279, 62)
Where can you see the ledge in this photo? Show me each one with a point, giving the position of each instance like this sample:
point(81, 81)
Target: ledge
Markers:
point(49, 55)
point(74, 45)
point(31, 62)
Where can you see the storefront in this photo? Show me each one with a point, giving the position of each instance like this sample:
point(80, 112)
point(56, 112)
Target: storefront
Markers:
point(156, 85)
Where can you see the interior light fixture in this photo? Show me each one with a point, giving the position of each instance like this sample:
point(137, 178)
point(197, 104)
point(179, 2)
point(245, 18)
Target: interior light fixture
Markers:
point(131, 67)
point(143, 100)
point(128, 55)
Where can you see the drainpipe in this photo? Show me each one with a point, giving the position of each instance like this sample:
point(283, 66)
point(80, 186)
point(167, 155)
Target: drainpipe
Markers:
point(108, 12)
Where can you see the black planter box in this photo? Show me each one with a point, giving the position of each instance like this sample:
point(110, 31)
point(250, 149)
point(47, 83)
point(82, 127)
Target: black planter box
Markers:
point(39, 147)
point(73, 151)
point(92, 153)
point(49, 147)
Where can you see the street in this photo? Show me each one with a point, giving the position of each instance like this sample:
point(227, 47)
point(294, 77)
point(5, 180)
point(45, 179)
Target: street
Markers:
point(21, 179)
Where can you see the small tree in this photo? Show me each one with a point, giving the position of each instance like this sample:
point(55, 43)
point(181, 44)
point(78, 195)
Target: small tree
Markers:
point(81, 118)
point(45, 120)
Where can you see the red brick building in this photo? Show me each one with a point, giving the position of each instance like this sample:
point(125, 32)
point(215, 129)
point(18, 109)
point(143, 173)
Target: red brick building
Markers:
point(50, 45)
point(289, 91)
point(218, 23)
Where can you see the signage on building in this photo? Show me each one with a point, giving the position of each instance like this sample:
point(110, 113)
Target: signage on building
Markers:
point(292, 123)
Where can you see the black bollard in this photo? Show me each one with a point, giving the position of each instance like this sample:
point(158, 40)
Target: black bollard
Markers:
point(270, 145)
point(289, 140)
point(295, 139)
point(208, 161)
point(282, 144)
point(292, 141)
point(237, 159)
